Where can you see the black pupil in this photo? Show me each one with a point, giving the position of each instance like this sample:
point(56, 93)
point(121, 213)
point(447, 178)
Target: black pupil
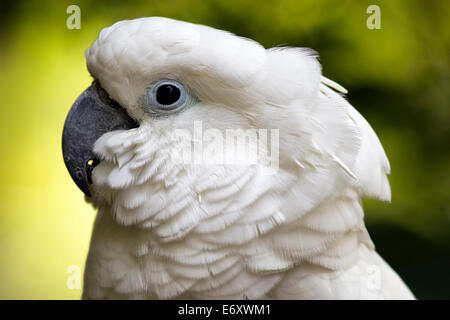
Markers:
point(167, 94)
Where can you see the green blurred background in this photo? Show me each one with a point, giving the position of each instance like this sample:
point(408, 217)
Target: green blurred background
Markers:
point(398, 78)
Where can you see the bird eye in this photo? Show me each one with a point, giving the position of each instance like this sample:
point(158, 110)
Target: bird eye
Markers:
point(167, 96)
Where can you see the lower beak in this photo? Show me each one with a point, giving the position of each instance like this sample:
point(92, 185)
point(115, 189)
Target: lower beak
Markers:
point(92, 115)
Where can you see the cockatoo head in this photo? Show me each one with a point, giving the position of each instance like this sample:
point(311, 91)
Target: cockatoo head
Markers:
point(156, 75)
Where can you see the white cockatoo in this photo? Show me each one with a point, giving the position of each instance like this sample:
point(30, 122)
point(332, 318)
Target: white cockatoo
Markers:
point(288, 228)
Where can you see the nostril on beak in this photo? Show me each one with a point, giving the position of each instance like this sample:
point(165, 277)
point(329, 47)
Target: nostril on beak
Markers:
point(90, 165)
point(93, 114)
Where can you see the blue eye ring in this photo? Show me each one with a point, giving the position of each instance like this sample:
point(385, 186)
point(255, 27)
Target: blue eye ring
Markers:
point(164, 91)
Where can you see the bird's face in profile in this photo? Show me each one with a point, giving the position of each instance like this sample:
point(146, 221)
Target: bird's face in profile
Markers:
point(155, 77)
point(162, 75)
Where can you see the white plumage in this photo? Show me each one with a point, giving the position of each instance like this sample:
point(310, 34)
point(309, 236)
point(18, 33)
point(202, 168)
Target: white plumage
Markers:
point(170, 230)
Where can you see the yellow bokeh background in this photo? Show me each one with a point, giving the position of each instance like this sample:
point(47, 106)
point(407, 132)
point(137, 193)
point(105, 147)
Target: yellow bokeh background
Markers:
point(45, 224)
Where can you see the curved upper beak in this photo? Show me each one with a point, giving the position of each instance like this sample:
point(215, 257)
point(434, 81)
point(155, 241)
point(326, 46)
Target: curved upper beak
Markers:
point(92, 115)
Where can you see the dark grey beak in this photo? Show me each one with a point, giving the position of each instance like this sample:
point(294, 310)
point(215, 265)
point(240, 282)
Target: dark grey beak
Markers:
point(92, 115)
